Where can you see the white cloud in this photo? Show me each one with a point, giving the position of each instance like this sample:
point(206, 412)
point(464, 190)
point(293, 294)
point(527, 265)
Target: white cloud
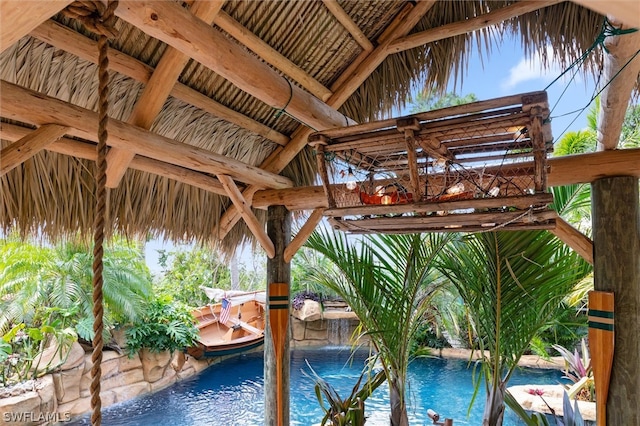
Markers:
point(530, 69)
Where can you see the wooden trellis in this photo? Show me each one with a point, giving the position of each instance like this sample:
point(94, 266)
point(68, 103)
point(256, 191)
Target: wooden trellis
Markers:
point(473, 167)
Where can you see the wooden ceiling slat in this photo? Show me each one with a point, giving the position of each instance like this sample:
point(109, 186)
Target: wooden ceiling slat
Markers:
point(156, 93)
point(271, 56)
point(346, 21)
point(468, 25)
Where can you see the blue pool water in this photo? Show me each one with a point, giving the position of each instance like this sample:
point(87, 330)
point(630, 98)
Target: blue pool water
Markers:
point(231, 393)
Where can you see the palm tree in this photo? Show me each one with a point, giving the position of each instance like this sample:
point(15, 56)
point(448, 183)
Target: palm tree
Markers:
point(511, 282)
point(386, 280)
point(41, 284)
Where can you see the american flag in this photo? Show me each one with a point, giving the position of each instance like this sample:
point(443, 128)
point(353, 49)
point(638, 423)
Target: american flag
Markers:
point(225, 312)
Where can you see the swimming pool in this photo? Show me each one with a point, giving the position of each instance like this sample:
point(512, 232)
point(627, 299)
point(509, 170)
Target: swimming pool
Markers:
point(231, 393)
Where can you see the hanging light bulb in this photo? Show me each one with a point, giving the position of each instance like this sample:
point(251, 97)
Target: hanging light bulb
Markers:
point(440, 163)
point(351, 180)
point(456, 189)
point(494, 191)
point(386, 200)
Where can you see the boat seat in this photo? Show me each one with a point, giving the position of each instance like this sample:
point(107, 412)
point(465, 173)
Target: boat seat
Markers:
point(206, 322)
point(246, 326)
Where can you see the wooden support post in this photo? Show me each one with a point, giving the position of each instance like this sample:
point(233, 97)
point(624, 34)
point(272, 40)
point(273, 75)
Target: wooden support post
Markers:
point(539, 151)
point(277, 334)
point(616, 241)
point(319, 145)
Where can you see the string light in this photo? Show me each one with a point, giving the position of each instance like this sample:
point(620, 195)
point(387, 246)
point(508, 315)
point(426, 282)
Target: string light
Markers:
point(351, 180)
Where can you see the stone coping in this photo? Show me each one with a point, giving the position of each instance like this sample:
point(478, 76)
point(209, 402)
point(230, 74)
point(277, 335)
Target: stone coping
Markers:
point(532, 361)
point(527, 396)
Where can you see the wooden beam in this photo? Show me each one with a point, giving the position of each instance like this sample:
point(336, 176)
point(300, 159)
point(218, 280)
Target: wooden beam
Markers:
point(399, 29)
point(172, 24)
point(575, 239)
point(468, 25)
point(28, 146)
point(156, 92)
point(19, 17)
point(302, 235)
point(66, 39)
point(566, 170)
point(32, 107)
point(627, 11)
point(346, 21)
point(354, 77)
point(621, 68)
point(587, 168)
point(250, 219)
point(271, 55)
point(87, 151)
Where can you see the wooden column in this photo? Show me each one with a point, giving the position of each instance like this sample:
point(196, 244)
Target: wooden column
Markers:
point(277, 334)
point(616, 240)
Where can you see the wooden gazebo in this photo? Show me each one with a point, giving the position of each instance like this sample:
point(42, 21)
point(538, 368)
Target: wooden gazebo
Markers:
point(212, 104)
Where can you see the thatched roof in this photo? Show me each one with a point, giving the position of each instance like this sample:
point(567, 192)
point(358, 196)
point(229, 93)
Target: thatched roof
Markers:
point(316, 64)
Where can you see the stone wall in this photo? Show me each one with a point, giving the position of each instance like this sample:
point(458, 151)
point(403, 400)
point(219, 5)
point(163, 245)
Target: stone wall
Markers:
point(331, 325)
point(65, 393)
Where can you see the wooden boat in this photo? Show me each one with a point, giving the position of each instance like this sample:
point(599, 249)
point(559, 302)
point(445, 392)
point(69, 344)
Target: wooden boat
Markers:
point(243, 330)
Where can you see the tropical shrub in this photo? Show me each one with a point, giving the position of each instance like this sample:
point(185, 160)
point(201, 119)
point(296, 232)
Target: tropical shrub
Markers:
point(23, 346)
point(166, 326)
point(577, 368)
point(348, 411)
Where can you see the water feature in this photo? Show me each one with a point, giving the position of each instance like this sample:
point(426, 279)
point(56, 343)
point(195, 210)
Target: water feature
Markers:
point(231, 393)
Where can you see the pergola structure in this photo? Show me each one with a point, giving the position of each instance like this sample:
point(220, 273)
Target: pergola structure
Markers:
point(212, 104)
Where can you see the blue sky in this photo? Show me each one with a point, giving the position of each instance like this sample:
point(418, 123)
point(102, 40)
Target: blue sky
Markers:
point(508, 72)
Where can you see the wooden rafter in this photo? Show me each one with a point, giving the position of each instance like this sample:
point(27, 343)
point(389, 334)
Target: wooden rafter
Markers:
point(627, 11)
point(87, 151)
point(272, 56)
point(353, 78)
point(346, 21)
point(302, 235)
point(250, 219)
point(575, 239)
point(468, 25)
point(66, 39)
point(172, 24)
point(621, 68)
point(32, 107)
point(29, 145)
point(16, 21)
point(156, 93)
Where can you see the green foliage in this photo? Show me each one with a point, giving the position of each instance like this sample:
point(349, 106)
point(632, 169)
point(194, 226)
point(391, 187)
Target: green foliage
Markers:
point(427, 102)
point(571, 414)
point(350, 410)
point(303, 264)
point(512, 284)
point(166, 326)
point(186, 271)
point(42, 285)
point(565, 328)
point(387, 281)
point(21, 349)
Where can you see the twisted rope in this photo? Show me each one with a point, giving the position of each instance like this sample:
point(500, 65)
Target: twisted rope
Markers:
point(100, 19)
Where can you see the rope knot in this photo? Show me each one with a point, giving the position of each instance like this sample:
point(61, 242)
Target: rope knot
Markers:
point(95, 16)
